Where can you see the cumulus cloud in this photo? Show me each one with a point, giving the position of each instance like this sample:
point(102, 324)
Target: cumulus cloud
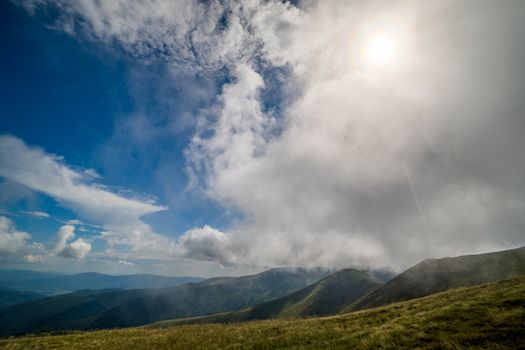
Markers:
point(373, 166)
point(12, 241)
point(362, 165)
point(77, 249)
point(64, 234)
point(18, 244)
point(207, 243)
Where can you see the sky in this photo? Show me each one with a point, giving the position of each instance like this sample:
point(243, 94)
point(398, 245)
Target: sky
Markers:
point(220, 137)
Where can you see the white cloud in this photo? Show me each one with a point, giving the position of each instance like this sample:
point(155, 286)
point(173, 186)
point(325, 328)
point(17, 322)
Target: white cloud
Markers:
point(189, 35)
point(362, 148)
point(33, 168)
point(92, 173)
point(185, 33)
point(364, 165)
point(37, 214)
point(34, 214)
point(17, 244)
point(125, 263)
point(207, 243)
point(65, 233)
point(77, 249)
point(47, 173)
point(12, 241)
point(34, 258)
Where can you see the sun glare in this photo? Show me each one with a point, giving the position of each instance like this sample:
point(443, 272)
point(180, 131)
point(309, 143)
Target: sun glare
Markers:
point(380, 50)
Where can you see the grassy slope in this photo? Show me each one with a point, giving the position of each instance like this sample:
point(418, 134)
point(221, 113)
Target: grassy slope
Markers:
point(326, 297)
point(490, 316)
point(436, 275)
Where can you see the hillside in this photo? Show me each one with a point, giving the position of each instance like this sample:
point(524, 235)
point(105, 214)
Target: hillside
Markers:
point(10, 296)
point(435, 275)
point(116, 308)
point(329, 296)
point(52, 283)
point(326, 297)
point(490, 316)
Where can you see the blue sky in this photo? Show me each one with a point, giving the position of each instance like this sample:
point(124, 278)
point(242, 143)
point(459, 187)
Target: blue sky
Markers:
point(69, 96)
point(224, 137)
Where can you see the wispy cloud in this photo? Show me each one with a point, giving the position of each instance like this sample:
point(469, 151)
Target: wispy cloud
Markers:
point(37, 214)
point(34, 214)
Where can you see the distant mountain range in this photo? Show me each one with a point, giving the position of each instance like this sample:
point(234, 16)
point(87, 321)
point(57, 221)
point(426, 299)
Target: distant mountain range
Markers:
point(89, 309)
point(276, 293)
point(52, 283)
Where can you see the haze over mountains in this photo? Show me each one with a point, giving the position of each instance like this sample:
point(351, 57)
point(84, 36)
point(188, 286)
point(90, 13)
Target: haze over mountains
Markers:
point(89, 309)
point(48, 283)
point(329, 296)
point(276, 293)
point(349, 290)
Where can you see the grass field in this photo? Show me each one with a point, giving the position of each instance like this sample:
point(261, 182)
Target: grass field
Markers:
point(490, 316)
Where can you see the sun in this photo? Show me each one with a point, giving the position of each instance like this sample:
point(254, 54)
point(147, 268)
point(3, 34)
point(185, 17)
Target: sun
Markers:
point(380, 50)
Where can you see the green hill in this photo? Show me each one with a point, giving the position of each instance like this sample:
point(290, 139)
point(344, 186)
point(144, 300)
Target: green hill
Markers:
point(329, 296)
point(490, 316)
point(90, 309)
point(435, 275)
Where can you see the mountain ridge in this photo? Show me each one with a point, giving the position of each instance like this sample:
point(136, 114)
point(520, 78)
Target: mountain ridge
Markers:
point(49, 283)
point(435, 275)
point(325, 297)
